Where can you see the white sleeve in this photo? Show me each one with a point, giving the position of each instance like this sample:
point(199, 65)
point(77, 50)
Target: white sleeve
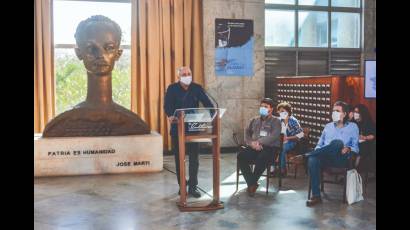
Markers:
point(300, 135)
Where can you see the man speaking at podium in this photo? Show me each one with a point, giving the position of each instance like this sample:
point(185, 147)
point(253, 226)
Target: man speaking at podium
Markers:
point(180, 95)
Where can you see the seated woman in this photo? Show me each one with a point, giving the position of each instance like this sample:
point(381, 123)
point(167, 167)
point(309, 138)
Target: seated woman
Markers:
point(367, 138)
point(291, 130)
point(351, 112)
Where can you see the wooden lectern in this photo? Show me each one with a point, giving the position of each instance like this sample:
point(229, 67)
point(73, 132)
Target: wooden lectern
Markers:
point(213, 133)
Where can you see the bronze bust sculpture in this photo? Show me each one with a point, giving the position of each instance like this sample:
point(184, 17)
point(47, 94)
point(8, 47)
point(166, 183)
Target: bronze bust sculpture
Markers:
point(98, 46)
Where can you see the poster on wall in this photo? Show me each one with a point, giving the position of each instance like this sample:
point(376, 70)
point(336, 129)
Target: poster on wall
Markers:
point(370, 79)
point(234, 47)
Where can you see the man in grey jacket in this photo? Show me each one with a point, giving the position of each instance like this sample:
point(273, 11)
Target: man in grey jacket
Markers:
point(262, 138)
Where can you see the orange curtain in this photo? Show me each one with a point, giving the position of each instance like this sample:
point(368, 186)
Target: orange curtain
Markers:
point(166, 34)
point(44, 105)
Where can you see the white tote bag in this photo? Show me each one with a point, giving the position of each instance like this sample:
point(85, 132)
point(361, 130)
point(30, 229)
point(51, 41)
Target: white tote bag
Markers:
point(354, 190)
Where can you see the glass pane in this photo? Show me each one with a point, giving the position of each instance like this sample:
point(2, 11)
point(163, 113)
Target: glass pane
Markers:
point(346, 30)
point(67, 15)
point(280, 28)
point(71, 80)
point(346, 3)
point(312, 29)
point(314, 2)
point(290, 2)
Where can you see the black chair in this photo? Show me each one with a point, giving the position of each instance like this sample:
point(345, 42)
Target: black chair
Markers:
point(353, 162)
point(368, 163)
point(268, 163)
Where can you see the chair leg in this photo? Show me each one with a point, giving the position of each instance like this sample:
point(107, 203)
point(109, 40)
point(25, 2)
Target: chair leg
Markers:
point(344, 187)
point(310, 187)
point(296, 169)
point(237, 176)
point(322, 184)
point(279, 180)
point(267, 178)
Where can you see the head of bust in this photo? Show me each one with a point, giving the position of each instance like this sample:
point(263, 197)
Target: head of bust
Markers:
point(98, 41)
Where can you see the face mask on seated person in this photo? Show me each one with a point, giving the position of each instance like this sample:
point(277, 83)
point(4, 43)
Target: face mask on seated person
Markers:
point(336, 116)
point(186, 80)
point(356, 116)
point(283, 115)
point(263, 111)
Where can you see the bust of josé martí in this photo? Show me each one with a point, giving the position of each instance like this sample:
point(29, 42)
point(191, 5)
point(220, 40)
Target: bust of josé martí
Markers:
point(98, 46)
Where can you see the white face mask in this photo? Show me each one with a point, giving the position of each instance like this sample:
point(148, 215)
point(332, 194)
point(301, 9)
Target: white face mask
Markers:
point(186, 80)
point(336, 116)
point(356, 116)
point(283, 115)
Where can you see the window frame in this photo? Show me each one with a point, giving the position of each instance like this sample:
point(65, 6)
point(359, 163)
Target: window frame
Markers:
point(329, 10)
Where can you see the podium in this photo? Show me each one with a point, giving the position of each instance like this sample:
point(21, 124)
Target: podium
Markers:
point(202, 125)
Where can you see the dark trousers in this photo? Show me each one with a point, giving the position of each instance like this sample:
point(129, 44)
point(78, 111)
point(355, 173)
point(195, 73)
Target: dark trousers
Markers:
point(329, 155)
point(193, 150)
point(261, 158)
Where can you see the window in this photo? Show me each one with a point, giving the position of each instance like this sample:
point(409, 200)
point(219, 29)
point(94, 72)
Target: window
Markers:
point(312, 29)
point(291, 2)
point(313, 24)
point(346, 3)
point(70, 74)
point(345, 30)
point(314, 2)
point(280, 28)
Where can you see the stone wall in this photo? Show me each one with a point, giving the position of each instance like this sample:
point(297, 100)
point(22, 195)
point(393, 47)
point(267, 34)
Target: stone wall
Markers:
point(369, 29)
point(239, 95)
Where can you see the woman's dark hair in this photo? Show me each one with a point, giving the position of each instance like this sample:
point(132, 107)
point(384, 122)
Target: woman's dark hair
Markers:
point(285, 106)
point(364, 113)
point(345, 108)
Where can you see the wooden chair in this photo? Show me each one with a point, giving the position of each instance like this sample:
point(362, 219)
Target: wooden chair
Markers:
point(268, 163)
point(353, 162)
point(302, 144)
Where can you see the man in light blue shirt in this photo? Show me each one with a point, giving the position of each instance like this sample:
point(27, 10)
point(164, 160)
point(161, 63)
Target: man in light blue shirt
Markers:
point(339, 140)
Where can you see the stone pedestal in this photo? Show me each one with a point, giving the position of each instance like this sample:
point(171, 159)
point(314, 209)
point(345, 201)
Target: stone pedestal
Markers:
point(63, 156)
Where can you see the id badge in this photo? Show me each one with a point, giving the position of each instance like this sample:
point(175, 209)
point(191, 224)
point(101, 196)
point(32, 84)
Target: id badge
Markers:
point(263, 133)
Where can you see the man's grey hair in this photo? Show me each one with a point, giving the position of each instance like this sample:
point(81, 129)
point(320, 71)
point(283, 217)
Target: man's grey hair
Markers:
point(181, 68)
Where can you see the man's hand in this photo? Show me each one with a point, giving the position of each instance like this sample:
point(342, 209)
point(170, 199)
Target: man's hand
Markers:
point(345, 150)
point(172, 119)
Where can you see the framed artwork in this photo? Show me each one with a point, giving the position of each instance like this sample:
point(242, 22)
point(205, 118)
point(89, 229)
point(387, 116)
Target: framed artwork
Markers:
point(234, 41)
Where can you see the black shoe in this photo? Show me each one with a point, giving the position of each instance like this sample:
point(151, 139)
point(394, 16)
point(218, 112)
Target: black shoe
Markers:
point(194, 192)
point(313, 201)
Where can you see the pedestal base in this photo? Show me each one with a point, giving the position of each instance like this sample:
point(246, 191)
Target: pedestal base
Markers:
point(200, 206)
point(63, 156)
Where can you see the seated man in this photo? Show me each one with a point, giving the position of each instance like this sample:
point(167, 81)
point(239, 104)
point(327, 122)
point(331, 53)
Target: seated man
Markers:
point(262, 139)
point(339, 140)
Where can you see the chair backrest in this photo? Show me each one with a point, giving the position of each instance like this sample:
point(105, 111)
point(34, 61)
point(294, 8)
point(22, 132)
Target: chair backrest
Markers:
point(306, 132)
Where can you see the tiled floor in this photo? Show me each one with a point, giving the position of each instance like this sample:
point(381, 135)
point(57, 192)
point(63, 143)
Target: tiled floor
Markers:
point(148, 201)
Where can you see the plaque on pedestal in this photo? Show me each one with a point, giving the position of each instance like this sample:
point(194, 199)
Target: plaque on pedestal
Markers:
point(64, 156)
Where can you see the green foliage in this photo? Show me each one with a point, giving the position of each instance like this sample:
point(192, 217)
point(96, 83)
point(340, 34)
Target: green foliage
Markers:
point(71, 82)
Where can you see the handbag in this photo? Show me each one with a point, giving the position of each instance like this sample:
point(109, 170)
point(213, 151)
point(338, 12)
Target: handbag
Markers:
point(354, 189)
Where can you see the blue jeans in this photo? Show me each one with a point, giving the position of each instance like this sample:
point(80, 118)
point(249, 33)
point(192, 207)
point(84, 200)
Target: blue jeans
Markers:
point(329, 155)
point(286, 148)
